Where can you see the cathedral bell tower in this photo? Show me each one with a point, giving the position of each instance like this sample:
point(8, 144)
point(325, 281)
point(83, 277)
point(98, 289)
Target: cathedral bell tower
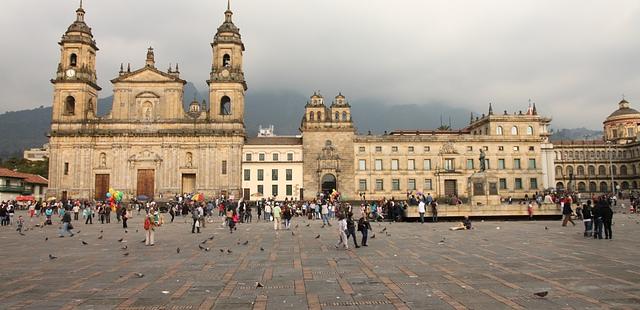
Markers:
point(227, 84)
point(75, 90)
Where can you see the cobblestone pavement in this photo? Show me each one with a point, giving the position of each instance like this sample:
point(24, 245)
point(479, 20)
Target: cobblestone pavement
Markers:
point(498, 265)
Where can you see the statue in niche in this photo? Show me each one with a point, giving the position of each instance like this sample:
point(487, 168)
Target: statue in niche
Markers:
point(103, 160)
point(189, 159)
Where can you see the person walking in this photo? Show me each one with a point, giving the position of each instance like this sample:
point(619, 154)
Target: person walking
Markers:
point(325, 215)
point(66, 225)
point(342, 232)
point(76, 210)
point(231, 220)
point(587, 219)
point(87, 213)
point(351, 229)
point(364, 227)
point(267, 212)
point(151, 221)
point(286, 215)
point(566, 213)
point(434, 210)
point(421, 211)
point(195, 216)
point(276, 211)
point(607, 220)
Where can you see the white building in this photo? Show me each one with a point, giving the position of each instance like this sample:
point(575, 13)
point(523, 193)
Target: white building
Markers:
point(272, 167)
point(37, 154)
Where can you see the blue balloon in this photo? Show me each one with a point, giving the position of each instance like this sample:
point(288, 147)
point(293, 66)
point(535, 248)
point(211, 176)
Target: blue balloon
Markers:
point(108, 195)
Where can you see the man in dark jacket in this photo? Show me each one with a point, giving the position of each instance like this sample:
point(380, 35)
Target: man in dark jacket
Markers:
point(587, 219)
point(607, 218)
point(66, 222)
point(351, 229)
point(597, 217)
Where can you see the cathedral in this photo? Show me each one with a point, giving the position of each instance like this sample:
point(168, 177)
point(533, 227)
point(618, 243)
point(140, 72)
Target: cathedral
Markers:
point(147, 145)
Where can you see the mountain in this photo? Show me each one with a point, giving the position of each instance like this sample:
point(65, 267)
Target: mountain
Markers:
point(576, 134)
point(283, 109)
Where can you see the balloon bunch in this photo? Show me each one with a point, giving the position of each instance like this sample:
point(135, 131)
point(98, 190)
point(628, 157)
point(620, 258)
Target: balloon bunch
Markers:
point(335, 195)
point(114, 197)
point(198, 197)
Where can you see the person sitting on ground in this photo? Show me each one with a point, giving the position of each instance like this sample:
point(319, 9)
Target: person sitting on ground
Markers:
point(464, 225)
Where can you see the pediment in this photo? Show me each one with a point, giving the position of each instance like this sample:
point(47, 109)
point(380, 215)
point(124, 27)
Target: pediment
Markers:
point(147, 75)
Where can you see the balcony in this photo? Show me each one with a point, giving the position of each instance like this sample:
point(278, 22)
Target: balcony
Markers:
point(12, 189)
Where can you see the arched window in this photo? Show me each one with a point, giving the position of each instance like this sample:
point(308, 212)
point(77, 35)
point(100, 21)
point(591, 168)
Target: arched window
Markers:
point(603, 187)
point(319, 116)
point(559, 186)
point(499, 131)
point(311, 116)
point(70, 105)
point(634, 170)
point(614, 170)
point(558, 171)
point(529, 131)
point(337, 116)
point(625, 185)
point(593, 187)
point(623, 170)
point(225, 105)
point(344, 116)
point(580, 170)
point(514, 131)
point(602, 170)
point(569, 170)
point(582, 187)
point(591, 170)
point(226, 60)
point(73, 60)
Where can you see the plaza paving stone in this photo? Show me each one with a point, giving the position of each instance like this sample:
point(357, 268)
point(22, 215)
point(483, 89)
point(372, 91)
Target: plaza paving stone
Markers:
point(486, 268)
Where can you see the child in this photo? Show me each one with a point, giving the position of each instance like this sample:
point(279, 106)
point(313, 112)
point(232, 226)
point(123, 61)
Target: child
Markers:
point(20, 224)
point(342, 232)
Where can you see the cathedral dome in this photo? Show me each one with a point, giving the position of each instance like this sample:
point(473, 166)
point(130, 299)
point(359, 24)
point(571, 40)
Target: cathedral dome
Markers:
point(79, 25)
point(624, 111)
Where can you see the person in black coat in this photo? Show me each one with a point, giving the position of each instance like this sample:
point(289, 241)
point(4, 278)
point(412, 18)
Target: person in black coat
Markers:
point(597, 218)
point(351, 229)
point(607, 218)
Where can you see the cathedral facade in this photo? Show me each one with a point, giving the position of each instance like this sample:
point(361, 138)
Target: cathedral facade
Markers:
point(147, 145)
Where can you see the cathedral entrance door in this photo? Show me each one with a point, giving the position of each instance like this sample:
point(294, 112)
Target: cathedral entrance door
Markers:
point(102, 186)
point(188, 183)
point(328, 184)
point(146, 183)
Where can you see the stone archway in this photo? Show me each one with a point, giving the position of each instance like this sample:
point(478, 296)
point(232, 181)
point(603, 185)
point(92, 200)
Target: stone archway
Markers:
point(328, 183)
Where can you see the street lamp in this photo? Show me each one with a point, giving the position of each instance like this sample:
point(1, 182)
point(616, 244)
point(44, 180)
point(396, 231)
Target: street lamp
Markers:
point(613, 184)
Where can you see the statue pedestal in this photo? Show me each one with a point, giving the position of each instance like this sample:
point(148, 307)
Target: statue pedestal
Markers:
point(484, 189)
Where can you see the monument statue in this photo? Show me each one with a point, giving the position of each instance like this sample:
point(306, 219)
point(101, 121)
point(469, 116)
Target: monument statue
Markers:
point(483, 165)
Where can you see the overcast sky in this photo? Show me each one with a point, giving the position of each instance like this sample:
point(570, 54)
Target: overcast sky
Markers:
point(574, 58)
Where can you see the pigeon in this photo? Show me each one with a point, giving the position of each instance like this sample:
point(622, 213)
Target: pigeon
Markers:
point(388, 235)
point(261, 249)
point(139, 275)
point(178, 250)
point(541, 294)
point(373, 236)
point(211, 238)
point(143, 241)
point(238, 243)
point(136, 230)
point(52, 257)
point(126, 231)
point(308, 224)
point(385, 229)
point(318, 237)
point(293, 234)
point(203, 242)
point(21, 234)
point(246, 242)
point(221, 250)
point(207, 249)
point(125, 254)
point(124, 247)
point(78, 232)
point(229, 251)
point(100, 238)
point(546, 228)
point(121, 239)
point(200, 247)
point(101, 231)
point(84, 242)
point(46, 238)
point(258, 284)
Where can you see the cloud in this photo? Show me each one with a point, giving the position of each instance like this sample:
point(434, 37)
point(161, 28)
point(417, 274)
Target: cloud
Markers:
point(568, 56)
